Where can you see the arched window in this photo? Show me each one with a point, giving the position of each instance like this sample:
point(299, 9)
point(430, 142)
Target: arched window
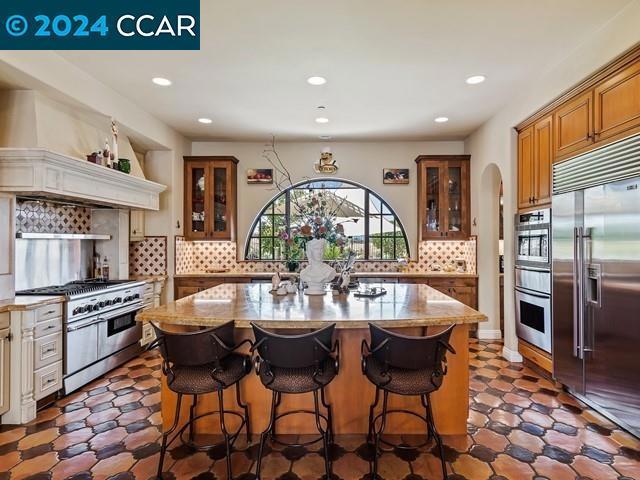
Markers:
point(371, 227)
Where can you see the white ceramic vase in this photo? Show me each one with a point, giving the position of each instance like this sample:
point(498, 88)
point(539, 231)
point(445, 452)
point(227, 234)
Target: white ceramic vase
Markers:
point(317, 274)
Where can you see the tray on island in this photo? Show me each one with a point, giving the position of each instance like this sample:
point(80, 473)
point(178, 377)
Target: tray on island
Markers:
point(372, 292)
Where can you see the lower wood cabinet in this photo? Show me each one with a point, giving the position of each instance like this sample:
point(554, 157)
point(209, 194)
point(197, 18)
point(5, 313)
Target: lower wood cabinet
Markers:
point(463, 289)
point(535, 355)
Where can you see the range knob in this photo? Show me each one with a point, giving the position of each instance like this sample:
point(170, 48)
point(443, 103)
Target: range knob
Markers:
point(136, 296)
point(101, 304)
point(96, 306)
point(77, 310)
point(108, 302)
point(86, 308)
point(117, 300)
point(128, 299)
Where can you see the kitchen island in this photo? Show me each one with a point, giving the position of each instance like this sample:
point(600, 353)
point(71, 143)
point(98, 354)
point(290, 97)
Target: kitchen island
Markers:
point(412, 309)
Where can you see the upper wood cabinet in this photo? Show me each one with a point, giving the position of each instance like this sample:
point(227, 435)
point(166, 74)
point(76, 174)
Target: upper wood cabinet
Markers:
point(210, 198)
point(535, 153)
point(574, 125)
point(525, 168)
point(443, 197)
point(617, 103)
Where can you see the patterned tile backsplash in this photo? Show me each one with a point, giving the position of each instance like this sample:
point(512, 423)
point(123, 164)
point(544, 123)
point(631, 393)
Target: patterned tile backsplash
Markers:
point(33, 216)
point(148, 256)
point(194, 257)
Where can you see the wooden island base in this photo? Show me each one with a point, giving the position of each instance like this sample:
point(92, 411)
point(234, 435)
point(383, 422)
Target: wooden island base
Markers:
point(350, 394)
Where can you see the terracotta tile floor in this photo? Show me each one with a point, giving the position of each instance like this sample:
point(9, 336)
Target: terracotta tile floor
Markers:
point(520, 427)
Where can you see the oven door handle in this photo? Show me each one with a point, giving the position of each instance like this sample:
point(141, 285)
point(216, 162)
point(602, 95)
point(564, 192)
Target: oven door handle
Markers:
point(84, 325)
point(537, 295)
point(118, 313)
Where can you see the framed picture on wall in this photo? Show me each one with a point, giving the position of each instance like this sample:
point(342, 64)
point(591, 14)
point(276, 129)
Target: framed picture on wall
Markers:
point(260, 175)
point(395, 176)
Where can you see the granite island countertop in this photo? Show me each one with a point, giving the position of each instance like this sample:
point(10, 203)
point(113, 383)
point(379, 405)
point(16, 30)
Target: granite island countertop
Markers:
point(404, 305)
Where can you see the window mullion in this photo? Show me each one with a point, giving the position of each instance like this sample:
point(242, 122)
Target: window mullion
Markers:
point(366, 225)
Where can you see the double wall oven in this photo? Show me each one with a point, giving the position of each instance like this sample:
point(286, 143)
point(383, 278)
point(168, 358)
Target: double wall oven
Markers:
point(533, 277)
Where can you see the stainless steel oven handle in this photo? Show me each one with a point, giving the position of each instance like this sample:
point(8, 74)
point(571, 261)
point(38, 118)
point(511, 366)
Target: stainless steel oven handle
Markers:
point(537, 295)
point(84, 325)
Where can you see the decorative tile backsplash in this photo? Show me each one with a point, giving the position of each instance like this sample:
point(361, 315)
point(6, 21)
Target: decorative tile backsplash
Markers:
point(148, 256)
point(34, 216)
point(211, 256)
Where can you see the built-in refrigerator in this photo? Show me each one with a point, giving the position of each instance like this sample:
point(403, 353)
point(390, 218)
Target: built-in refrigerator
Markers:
point(596, 279)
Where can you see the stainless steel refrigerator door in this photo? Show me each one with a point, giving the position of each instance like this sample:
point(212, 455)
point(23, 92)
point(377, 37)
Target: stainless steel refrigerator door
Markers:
point(612, 291)
point(567, 336)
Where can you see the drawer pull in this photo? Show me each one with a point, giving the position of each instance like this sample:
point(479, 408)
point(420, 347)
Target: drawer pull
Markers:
point(49, 312)
point(49, 350)
point(49, 327)
point(51, 380)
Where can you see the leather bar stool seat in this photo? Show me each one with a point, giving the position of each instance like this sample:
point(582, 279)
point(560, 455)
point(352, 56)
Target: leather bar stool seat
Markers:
point(206, 379)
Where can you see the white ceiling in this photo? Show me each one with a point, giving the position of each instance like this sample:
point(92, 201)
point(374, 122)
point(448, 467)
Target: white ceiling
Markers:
point(392, 66)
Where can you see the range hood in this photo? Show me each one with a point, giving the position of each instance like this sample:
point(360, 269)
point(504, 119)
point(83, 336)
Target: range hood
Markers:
point(46, 174)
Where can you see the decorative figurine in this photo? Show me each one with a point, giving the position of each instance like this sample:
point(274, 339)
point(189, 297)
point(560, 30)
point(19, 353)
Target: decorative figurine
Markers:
point(114, 140)
point(326, 164)
point(275, 281)
point(318, 273)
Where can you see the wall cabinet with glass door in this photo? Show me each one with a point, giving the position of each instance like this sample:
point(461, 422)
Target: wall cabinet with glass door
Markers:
point(210, 198)
point(443, 197)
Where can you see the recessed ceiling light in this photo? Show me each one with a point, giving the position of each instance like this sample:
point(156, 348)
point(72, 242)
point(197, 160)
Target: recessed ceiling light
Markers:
point(322, 120)
point(441, 119)
point(205, 120)
point(475, 79)
point(163, 82)
point(325, 137)
point(316, 80)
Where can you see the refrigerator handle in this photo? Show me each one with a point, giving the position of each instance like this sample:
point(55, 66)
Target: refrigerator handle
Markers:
point(580, 292)
point(576, 296)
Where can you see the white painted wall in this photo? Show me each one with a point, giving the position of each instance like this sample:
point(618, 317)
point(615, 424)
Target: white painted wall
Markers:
point(361, 162)
point(495, 143)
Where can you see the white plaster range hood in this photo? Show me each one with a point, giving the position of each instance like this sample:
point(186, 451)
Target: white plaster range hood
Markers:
point(40, 172)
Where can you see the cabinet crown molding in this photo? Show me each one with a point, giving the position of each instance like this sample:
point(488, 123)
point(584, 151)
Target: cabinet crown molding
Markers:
point(40, 172)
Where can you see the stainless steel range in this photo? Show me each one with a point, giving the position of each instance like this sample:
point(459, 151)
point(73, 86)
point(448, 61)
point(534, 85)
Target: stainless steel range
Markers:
point(100, 331)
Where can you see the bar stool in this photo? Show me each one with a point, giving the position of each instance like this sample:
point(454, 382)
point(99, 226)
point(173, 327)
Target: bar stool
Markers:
point(404, 365)
point(197, 363)
point(296, 364)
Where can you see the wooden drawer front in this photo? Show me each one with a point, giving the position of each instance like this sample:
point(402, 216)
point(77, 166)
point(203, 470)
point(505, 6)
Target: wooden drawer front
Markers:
point(574, 125)
point(452, 282)
point(47, 380)
point(148, 334)
point(47, 312)
point(617, 103)
point(48, 327)
point(48, 350)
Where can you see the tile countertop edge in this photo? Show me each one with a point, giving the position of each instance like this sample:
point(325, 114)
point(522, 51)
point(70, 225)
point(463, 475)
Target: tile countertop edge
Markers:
point(27, 302)
point(355, 274)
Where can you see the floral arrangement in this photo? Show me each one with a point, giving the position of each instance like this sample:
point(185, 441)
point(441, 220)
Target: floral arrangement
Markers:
point(314, 212)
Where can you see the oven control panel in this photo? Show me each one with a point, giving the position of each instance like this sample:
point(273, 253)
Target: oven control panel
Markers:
point(103, 301)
